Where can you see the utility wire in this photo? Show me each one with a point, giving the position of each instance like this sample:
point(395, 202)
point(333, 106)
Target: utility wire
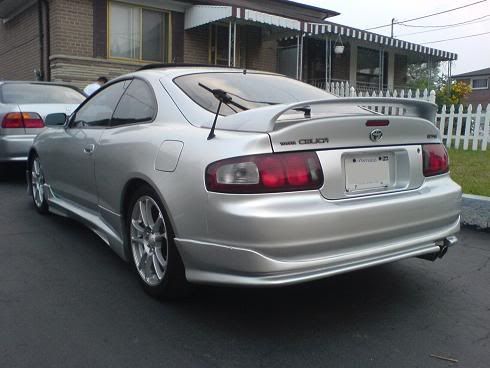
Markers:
point(446, 25)
point(427, 16)
point(456, 38)
point(440, 29)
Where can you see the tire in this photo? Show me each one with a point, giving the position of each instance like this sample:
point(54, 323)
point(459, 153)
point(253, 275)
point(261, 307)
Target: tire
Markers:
point(150, 242)
point(37, 190)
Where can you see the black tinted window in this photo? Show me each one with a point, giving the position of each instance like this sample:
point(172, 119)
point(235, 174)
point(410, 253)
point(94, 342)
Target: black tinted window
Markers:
point(99, 109)
point(20, 93)
point(251, 90)
point(136, 106)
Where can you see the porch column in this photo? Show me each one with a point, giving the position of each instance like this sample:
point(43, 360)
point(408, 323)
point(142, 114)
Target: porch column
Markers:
point(381, 68)
point(353, 65)
point(297, 55)
point(328, 62)
point(232, 44)
point(391, 70)
point(449, 76)
point(301, 57)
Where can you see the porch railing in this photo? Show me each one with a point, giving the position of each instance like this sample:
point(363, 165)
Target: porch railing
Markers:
point(344, 89)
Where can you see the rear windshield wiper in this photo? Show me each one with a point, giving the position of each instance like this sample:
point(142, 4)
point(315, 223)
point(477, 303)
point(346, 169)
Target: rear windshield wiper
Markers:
point(305, 109)
point(223, 98)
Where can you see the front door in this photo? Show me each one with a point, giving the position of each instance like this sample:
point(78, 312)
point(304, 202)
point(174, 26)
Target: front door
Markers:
point(75, 176)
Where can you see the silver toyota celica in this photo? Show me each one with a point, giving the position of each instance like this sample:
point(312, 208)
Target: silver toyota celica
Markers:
point(237, 177)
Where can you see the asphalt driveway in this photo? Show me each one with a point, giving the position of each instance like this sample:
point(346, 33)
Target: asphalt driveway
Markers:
point(66, 300)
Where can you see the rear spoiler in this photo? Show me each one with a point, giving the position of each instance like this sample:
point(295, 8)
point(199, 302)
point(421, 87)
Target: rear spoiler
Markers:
point(264, 119)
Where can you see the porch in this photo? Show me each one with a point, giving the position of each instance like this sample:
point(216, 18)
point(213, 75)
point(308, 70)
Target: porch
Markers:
point(319, 54)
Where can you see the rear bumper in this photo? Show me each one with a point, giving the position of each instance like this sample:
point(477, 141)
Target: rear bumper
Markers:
point(15, 147)
point(291, 238)
point(224, 265)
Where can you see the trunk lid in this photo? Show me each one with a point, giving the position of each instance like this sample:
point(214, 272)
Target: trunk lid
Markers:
point(360, 158)
point(45, 109)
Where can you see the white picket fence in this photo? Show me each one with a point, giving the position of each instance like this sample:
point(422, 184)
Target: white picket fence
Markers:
point(342, 89)
point(459, 128)
point(466, 129)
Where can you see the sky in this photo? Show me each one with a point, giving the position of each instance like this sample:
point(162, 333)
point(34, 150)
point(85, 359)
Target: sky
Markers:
point(473, 53)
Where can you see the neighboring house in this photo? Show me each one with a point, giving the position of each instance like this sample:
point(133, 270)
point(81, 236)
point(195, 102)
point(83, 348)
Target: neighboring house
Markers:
point(479, 80)
point(76, 41)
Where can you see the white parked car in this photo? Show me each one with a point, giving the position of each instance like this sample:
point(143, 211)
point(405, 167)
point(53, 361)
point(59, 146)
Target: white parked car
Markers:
point(23, 108)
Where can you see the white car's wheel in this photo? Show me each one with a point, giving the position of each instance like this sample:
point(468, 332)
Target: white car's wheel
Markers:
point(154, 255)
point(37, 185)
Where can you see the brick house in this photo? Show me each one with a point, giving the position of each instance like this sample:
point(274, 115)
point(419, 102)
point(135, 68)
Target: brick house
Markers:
point(76, 41)
point(479, 80)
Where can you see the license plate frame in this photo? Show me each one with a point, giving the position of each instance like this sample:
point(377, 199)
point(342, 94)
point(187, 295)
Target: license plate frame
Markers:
point(368, 171)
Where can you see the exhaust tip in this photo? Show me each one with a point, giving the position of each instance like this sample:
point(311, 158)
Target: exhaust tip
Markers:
point(450, 241)
point(443, 251)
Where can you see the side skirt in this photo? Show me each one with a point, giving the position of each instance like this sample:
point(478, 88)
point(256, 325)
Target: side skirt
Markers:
point(89, 218)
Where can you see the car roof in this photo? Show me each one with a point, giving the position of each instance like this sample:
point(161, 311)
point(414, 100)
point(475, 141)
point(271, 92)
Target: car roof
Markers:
point(174, 71)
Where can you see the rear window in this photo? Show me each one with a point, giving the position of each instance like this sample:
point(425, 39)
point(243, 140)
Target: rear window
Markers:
point(250, 90)
point(19, 93)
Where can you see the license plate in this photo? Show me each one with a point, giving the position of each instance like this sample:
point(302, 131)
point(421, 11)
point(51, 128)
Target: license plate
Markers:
point(364, 172)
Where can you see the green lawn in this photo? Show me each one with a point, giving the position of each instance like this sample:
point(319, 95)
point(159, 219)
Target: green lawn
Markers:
point(471, 170)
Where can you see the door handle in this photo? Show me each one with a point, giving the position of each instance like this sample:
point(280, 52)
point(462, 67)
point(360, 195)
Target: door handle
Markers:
point(89, 148)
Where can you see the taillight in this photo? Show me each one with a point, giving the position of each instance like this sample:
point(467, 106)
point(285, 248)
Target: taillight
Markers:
point(269, 173)
point(32, 120)
point(436, 160)
point(14, 120)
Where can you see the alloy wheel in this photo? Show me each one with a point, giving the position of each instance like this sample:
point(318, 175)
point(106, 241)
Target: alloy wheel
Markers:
point(149, 240)
point(37, 183)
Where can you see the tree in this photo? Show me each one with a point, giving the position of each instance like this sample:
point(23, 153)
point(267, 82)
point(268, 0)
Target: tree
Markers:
point(422, 76)
point(454, 95)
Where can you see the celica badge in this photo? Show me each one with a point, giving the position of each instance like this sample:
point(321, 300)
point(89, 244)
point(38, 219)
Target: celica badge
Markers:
point(376, 135)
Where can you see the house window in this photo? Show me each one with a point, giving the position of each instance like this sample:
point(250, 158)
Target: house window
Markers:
point(138, 33)
point(479, 83)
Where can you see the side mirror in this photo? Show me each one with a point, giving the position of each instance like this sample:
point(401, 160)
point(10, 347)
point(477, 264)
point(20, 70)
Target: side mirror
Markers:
point(56, 119)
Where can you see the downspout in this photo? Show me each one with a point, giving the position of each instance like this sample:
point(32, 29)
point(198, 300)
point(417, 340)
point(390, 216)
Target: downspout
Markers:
point(41, 39)
point(44, 39)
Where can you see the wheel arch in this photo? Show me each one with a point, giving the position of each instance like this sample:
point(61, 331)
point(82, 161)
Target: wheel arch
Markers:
point(32, 153)
point(30, 156)
point(129, 188)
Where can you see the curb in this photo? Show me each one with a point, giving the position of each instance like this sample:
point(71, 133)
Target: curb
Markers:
point(475, 211)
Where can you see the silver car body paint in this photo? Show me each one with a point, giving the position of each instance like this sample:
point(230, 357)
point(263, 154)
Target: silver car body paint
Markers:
point(253, 239)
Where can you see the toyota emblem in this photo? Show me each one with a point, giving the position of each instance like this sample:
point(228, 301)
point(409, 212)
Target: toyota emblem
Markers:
point(376, 135)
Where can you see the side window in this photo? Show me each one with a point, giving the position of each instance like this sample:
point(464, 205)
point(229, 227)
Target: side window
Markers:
point(137, 105)
point(97, 112)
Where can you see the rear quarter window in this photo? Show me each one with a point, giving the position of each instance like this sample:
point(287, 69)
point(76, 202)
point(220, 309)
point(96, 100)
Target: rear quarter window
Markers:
point(18, 93)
